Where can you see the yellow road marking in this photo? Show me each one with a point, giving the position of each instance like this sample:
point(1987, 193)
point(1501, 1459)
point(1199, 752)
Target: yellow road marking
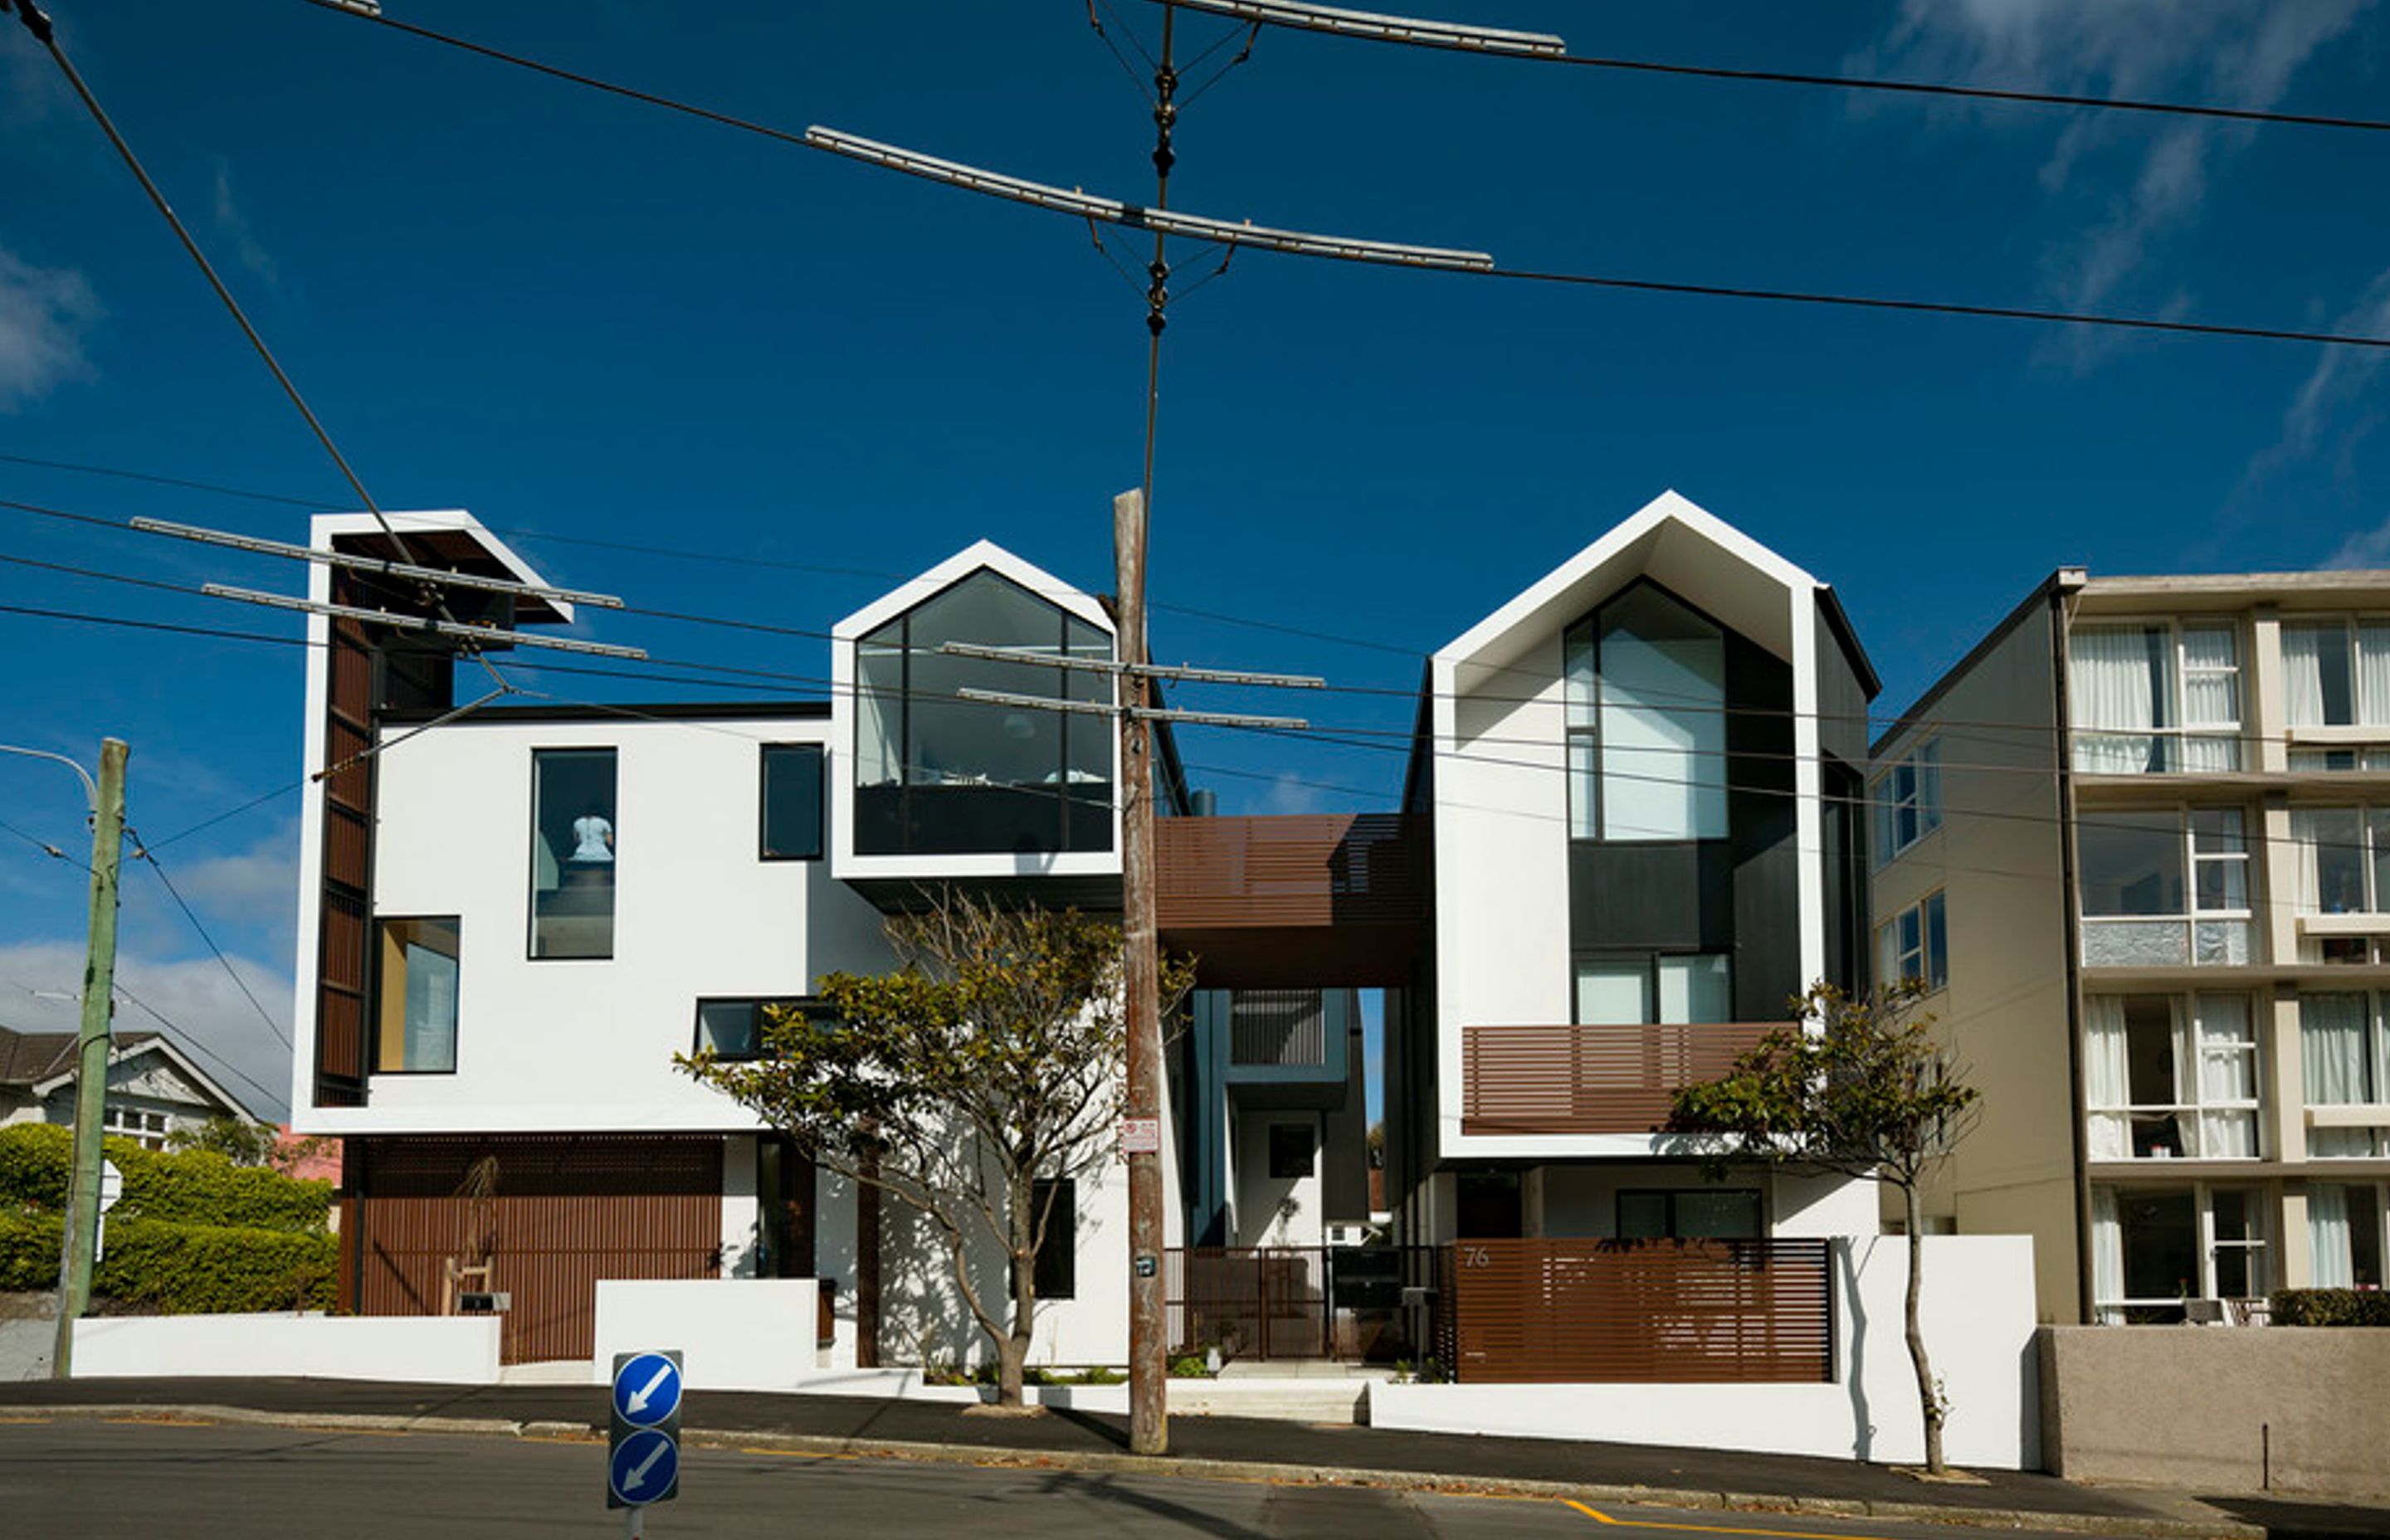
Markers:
point(1714, 1529)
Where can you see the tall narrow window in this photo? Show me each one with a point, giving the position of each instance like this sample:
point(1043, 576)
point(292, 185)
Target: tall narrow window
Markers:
point(1057, 1249)
point(573, 852)
point(1645, 681)
point(1907, 799)
point(793, 802)
point(415, 1019)
point(1915, 944)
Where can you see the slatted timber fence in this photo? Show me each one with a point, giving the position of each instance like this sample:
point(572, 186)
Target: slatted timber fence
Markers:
point(1641, 1312)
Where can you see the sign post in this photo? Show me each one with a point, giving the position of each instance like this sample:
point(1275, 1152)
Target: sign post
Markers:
point(643, 1442)
point(112, 1188)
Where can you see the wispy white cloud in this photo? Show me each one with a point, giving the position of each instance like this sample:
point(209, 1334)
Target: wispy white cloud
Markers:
point(2234, 53)
point(238, 234)
point(1287, 795)
point(209, 1018)
point(44, 313)
point(2332, 411)
point(252, 893)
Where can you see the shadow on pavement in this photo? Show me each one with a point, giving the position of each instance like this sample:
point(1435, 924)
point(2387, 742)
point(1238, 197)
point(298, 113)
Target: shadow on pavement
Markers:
point(2286, 1519)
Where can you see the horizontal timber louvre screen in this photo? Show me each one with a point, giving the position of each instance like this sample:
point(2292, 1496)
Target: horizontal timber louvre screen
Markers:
point(1301, 869)
point(1590, 1079)
point(1642, 1312)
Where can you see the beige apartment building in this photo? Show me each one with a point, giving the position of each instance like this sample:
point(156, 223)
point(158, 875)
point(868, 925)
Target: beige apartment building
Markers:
point(2137, 843)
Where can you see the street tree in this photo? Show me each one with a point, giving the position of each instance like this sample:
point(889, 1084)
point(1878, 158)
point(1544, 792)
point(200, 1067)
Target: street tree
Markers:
point(970, 1085)
point(1858, 1087)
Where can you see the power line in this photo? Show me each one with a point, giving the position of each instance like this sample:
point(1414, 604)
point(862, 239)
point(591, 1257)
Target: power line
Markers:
point(192, 1039)
point(1292, 17)
point(142, 852)
point(167, 482)
point(1081, 206)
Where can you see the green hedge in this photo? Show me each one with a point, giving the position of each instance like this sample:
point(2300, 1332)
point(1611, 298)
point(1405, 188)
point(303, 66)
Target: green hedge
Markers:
point(169, 1269)
point(190, 1186)
point(2331, 1307)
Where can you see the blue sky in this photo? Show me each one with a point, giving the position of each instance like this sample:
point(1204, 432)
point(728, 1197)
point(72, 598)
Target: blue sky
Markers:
point(612, 326)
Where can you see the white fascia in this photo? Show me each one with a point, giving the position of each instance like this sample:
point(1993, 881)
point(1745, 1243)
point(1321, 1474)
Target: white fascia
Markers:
point(322, 530)
point(981, 555)
point(1625, 551)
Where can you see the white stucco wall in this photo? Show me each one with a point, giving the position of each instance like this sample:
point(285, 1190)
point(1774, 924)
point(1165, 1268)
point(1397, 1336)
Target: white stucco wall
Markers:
point(568, 1045)
point(441, 1349)
point(743, 1334)
point(1978, 1317)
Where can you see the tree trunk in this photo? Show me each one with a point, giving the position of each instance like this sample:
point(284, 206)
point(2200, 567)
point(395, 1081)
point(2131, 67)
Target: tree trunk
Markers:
point(1929, 1397)
point(1012, 1351)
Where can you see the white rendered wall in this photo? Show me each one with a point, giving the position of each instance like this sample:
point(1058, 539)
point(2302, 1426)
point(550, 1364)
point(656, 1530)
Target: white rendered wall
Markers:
point(1978, 1317)
point(441, 1349)
point(570, 1044)
point(733, 1334)
point(1262, 1199)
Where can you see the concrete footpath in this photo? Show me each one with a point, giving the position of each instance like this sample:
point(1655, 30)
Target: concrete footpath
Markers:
point(1241, 1447)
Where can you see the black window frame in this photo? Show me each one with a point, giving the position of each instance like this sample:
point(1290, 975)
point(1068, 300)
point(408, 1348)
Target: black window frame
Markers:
point(1650, 957)
point(814, 1007)
point(374, 970)
point(1669, 1196)
point(531, 877)
point(769, 752)
point(1056, 1276)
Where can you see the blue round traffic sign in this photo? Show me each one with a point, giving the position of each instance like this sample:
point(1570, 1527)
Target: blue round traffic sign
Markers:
point(647, 1390)
point(644, 1468)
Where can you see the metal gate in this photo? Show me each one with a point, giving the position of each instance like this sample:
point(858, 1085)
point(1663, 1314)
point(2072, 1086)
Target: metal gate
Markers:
point(1345, 1303)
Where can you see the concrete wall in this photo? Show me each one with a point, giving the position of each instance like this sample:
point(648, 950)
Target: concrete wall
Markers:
point(453, 1350)
point(1978, 1317)
point(1998, 860)
point(743, 1334)
point(566, 1045)
point(2220, 1408)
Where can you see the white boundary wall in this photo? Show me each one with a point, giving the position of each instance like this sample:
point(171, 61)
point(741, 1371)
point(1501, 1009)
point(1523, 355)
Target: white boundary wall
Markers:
point(733, 1334)
point(1978, 1316)
point(451, 1350)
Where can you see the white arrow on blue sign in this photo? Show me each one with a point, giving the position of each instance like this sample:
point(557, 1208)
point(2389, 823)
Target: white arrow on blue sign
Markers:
point(647, 1390)
point(644, 1468)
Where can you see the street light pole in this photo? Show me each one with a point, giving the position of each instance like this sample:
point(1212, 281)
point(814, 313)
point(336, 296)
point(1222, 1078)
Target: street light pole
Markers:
point(82, 1238)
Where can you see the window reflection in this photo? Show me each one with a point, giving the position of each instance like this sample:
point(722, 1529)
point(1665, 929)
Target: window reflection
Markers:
point(572, 853)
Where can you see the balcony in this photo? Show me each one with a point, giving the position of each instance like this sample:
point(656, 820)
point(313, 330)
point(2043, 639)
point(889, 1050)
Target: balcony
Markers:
point(1589, 1078)
point(1293, 901)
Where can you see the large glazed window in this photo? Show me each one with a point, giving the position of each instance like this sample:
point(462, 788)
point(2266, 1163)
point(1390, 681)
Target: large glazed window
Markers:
point(1671, 989)
point(415, 1014)
point(1646, 691)
point(2163, 889)
point(2336, 673)
point(2344, 1053)
point(2150, 1250)
point(935, 774)
point(2154, 699)
point(2166, 1077)
point(572, 853)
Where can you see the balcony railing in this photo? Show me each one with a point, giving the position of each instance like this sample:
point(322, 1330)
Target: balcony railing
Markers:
point(1589, 1078)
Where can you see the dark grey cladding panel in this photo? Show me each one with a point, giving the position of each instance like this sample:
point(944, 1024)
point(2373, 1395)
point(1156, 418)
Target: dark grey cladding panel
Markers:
point(1675, 896)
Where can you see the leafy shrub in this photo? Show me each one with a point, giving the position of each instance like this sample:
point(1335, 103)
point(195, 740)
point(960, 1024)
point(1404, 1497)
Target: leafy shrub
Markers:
point(2331, 1307)
point(1188, 1367)
point(190, 1186)
point(166, 1269)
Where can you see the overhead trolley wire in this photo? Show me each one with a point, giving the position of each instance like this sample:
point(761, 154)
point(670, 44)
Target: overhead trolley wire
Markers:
point(1293, 18)
point(1134, 216)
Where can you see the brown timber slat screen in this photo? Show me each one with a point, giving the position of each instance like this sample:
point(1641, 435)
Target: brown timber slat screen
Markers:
point(1645, 1311)
point(1314, 869)
point(1295, 1301)
point(565, 1212)
point(1589, 1078)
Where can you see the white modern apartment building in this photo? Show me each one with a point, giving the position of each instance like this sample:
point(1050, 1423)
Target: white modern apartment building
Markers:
point(2138, 842)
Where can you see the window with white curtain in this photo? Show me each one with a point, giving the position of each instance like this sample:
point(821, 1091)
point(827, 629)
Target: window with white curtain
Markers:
point(2345, 1230)
point(1907, 799)
point(2164, 888)
point(2154, 698)
point(2170, 1076)
point(2343, 859)
point(2336, 673)
point(2347, 1061)
point(2151, 1249)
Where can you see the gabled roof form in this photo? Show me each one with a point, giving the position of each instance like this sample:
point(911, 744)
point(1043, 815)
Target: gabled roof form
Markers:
point(1676, 543)
point(981, 555)
point(42, 1061)
point(456, 534)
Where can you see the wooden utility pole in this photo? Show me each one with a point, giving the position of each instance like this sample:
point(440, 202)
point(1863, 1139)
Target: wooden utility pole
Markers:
point(81, 1246)
point(1149, 1381)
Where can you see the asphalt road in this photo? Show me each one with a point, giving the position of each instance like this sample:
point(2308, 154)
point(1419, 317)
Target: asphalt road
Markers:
point(148, 1478)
